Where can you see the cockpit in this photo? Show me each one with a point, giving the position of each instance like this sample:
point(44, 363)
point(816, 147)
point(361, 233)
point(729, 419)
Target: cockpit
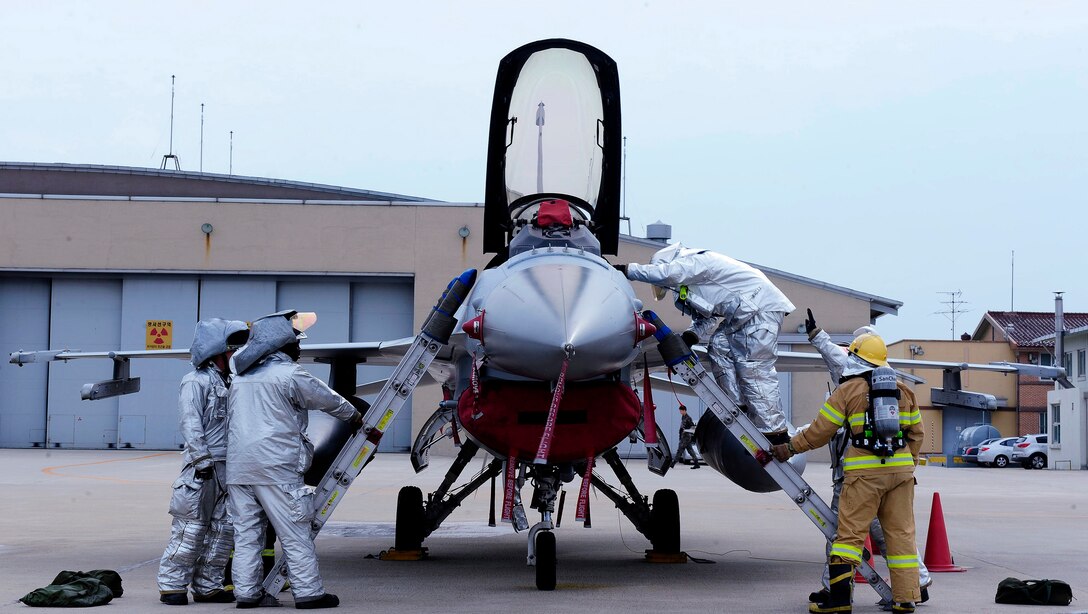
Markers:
point(552, 222)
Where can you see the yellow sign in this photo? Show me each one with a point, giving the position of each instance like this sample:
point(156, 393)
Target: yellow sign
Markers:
point(160, 334)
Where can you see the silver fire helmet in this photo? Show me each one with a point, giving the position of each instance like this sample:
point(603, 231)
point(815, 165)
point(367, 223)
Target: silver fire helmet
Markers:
point(267, 334)
point(210, 338)
point(667, 253)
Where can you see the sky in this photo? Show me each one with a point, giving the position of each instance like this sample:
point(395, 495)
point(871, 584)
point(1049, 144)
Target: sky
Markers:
point(907, 150)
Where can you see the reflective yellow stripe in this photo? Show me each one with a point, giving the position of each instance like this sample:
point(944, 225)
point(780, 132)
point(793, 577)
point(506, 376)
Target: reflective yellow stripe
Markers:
point(268, 552)
point(846, 551)
point(903, 561)
point(914, 417)
point(857, 420)
point(902, 459)
point(832, 414)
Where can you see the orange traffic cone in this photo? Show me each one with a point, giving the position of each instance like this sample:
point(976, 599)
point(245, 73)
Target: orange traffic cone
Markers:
point(938, 557)
point(868, 554)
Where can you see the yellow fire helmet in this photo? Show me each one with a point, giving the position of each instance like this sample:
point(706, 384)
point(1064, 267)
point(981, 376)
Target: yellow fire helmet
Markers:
point(871, 349)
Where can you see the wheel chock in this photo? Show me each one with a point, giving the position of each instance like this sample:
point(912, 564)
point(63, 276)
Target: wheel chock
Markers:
point(653, 556)
point(393, 554)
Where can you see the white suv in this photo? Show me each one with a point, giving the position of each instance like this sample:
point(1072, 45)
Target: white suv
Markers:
point(996, 453)
point(1030, 451)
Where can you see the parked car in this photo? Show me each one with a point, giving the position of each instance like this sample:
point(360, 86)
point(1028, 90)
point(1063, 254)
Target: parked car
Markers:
point(997, 453)
point(1030, 451)
point(970, 455)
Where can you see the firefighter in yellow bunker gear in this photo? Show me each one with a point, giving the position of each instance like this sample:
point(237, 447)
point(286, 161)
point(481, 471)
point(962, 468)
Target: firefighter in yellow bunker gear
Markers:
point(875, 485)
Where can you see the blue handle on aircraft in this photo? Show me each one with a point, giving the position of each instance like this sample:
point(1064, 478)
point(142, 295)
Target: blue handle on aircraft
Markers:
point(440, 323)
point(673, 349)
point(455, 292)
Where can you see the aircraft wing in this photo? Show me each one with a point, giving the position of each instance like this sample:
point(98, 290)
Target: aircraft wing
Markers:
point(370, 352)
point(379, 353)
point(26, 357)
point(950, 393)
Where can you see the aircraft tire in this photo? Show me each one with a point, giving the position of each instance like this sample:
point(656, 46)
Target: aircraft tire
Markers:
point(409, 530)
point(545, 561)
point(665, 522)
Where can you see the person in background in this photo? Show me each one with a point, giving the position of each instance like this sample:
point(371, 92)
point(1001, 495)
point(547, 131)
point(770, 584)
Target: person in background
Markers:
point(687, 431)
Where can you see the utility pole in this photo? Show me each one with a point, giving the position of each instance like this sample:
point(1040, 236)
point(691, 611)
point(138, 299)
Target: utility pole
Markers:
point(202, 137)
point(230, 167)
point(955, 308)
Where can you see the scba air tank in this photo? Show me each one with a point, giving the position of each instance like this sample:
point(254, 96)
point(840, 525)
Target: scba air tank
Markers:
point(885, 399)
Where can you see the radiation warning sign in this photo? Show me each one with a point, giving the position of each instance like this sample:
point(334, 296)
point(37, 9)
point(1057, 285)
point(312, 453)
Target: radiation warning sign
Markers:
point(160, 334)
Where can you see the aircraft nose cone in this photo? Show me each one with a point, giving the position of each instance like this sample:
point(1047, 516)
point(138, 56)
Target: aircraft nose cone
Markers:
point(539, 315)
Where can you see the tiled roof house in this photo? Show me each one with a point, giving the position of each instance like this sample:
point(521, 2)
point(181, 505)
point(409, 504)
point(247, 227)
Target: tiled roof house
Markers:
point(1022, 330)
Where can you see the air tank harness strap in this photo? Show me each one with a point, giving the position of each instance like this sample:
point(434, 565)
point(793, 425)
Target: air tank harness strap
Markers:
point(876, 436)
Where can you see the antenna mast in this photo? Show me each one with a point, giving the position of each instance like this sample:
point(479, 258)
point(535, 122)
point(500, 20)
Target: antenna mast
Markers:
point(1012, 281)
point(955, 308)
point(623, 215)
point(202, 137)
point(171, 156)
point(230, 167)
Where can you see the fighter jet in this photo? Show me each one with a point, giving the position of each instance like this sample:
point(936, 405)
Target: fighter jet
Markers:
point(542, 374)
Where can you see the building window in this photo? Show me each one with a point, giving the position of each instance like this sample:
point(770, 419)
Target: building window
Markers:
point(1067, 363)
point(1080, 363)
point(1044, 359)
point(1056, 420)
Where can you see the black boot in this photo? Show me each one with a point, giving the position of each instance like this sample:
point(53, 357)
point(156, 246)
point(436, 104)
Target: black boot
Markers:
point(819, 596)
point(328, 600)
point(216, 596)
point(264, 600)
point(174, 598)
point(838, 598)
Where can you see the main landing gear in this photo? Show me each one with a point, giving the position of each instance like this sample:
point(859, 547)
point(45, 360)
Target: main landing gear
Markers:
point(659, 522)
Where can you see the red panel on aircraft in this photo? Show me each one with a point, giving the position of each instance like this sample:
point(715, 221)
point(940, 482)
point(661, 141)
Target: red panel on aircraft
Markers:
point(593, 417)
point(554, 213)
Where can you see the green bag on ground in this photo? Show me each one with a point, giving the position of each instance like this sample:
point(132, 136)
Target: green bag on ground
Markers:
point(79, 593)
point(108, 577)
point(1033, 592)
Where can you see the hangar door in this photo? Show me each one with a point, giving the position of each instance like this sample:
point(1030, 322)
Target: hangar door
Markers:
point(25, 305)
point(40, 404)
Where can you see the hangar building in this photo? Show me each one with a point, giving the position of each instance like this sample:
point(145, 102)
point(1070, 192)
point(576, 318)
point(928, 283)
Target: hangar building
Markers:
point(98, 257)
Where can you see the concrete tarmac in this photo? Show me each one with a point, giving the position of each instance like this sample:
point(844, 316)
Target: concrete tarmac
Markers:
point(81, 510)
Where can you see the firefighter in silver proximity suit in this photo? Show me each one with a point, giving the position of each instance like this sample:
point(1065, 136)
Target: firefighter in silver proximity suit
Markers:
point(711, 286)
point(268, 454)
point(836, 357)
point(201, 535)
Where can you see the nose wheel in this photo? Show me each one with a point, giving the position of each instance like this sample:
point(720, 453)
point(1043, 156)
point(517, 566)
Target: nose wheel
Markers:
point(545, 561)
